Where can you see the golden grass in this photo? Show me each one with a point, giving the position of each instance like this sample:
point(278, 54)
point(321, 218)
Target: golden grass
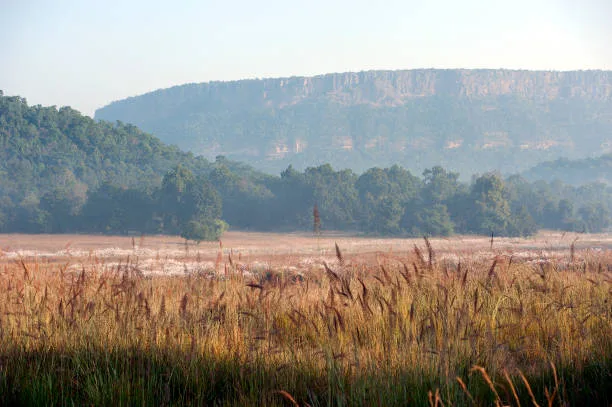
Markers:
point(406, 328)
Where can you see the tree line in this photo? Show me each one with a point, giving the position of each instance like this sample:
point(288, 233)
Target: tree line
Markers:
point(381, 201)
point(63, 172)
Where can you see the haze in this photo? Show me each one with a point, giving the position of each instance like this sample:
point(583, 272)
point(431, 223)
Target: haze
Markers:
point(87, 54)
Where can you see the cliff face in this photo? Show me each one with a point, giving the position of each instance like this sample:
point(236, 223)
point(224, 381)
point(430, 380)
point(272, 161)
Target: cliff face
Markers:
point(393, 88)
point(377, 117)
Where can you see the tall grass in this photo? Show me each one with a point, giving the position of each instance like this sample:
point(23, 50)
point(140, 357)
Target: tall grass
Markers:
point(410, 331)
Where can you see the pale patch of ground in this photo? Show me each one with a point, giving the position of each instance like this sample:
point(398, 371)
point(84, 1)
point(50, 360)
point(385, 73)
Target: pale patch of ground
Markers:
point(253, 253)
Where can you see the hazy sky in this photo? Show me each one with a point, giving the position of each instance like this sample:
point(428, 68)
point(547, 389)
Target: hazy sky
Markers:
point(87, 53)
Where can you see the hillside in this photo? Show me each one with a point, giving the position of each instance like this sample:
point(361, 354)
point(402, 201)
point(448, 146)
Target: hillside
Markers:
point(63, 172)
point(466, 120)
point(51, 161)
point(576, 172)
point(43, 147)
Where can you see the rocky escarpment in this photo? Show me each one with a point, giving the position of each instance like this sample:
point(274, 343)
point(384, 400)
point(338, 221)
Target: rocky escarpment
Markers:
point(389, 88)
point(470, 120)
point(393, 88)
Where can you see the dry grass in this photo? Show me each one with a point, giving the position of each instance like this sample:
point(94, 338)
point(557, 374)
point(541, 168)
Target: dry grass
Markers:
point(275, 246)
point(425, 327)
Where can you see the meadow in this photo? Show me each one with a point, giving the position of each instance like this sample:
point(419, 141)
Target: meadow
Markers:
point(272, 319)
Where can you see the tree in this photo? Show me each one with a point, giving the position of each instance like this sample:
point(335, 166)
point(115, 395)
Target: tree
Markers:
point(566, 217)
point(61, 210)
point(112, 209)
point(386, 216)
point(173, 198)
point(384, 195)
point(64, 201)
point(335, 194)
point(201, 201)
point(522, 223)
point(246, 201)
point(190, 205)
point(293, 201)
point(203, 230)
point(439, 185)
point(595, 218)
point(434, 220)
point(491, 211)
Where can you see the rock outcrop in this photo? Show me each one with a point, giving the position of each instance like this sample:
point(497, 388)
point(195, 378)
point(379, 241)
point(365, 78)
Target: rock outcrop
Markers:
point(470, 120)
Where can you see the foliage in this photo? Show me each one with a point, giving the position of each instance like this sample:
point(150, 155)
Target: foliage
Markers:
point(69, 173)
point(434, 221)
point(205, 229)
point(469, 121)
point(42, 147)
point(491, 208)
point(115, 210)
point(62, 172)
point(575, 172)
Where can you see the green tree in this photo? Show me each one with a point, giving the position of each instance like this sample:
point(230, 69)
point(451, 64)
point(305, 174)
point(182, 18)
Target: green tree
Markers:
point(566, 216)
point(491, 211)
point(185, 198)
point(439, 185)
point(174, 200)
point(113, 209)
point(595, 218)
point(335, 194)
point(205, 229)
point(384, 214)
point(522, 223)
point(293, 201)
point(246, 202)
point(434, 220)
point(429, 212)
point(381, 209)
point(384, 195)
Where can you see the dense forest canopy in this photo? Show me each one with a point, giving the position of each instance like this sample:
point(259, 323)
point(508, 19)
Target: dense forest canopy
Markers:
point(469, 121)
point(54, 160)
point(63, 172)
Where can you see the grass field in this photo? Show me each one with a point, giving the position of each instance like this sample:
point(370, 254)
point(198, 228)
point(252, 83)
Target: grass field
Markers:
point(271, 319)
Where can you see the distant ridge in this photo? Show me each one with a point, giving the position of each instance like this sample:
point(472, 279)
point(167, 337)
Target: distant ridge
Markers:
point(467, 120)
point(576, 172)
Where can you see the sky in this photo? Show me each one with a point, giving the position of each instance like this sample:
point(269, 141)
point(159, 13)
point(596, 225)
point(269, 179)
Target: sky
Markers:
point(86, 53)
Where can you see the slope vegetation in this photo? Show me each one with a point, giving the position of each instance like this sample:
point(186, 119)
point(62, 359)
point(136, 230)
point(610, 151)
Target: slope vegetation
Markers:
point(574, 171)
point(465, 120)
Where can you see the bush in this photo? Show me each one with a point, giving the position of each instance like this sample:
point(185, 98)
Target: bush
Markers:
point(204, 230)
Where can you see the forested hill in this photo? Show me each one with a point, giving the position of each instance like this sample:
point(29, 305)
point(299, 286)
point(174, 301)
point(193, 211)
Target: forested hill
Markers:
point(576, 172)
point(42, 147)
point(51, 157)
point(63, 172)
point(470, 121)
point(52, 161)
